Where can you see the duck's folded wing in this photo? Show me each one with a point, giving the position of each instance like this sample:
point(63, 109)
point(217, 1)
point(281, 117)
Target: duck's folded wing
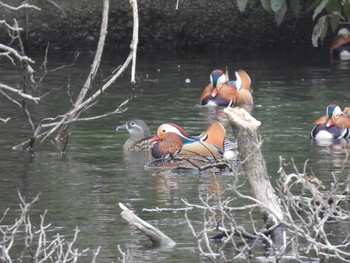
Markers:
point(201, 148)
point(214, 134)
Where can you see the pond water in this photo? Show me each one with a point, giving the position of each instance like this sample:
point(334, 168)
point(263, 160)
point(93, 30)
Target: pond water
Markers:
point(83, 187)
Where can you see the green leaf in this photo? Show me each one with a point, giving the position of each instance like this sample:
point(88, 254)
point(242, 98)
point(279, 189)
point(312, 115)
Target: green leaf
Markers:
point(266, 5)
point(242, 4)
point(346, 8)
point(280, 13)
point(333, 6)
point(319, 8)
point(295, 6)
point(320, 30)
point(334, 21)
point(276, 5)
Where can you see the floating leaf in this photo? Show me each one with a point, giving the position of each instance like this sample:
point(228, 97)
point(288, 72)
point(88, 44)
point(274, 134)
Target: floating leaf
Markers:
point(242, 4)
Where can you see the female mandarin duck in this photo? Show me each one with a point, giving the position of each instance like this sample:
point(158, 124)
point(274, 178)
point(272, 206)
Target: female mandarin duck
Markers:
point(340, 46)
point(222, 92)
point(139, 135)
point(334, 125)
point(171, 138)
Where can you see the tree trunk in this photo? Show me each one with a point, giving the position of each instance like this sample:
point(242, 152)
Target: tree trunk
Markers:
point(245, 129)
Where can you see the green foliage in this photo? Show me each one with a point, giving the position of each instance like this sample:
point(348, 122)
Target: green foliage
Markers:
point(242, 4)
point(279, 8)
point(266, 5)
point(320, 30)
point(295, 6)
point(329, 13)
point(346, 8)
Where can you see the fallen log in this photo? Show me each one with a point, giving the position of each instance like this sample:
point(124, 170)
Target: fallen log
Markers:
point(155, 235)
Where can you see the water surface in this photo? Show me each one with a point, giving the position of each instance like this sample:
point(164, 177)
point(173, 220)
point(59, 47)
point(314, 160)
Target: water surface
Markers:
point(84, 186)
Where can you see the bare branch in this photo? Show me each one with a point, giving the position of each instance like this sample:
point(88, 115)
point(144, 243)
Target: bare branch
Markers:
point(20, 93)
point(36, 241)
point(10, 27)
point(154, 234)
point(53, 3)
point(25, 5)
point(5, 120)
point(135, 39)
point(16, 54)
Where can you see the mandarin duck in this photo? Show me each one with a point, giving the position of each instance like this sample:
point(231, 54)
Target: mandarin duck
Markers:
point(340, 46)
point(334, 125)
point(222, 92)
point(172, 139)
point(139, 135)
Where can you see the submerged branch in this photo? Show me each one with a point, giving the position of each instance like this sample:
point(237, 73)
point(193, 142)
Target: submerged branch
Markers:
point(154, 234)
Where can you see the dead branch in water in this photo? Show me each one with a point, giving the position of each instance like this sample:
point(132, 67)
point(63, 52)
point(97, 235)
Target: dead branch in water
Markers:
point(307, 211)
point(155, 235)
point(195, 162)
point(60, 124)
point(38, 244)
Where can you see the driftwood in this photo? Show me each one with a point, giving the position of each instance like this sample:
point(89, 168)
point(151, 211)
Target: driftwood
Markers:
point(245, 128)
point(155, 235)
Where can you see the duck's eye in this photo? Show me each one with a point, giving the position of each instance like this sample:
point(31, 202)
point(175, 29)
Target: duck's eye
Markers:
point(346, 35)
point(164, 130)
point(132, 123)
point(336, 115)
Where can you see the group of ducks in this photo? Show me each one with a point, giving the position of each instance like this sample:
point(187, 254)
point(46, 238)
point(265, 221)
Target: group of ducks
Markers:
point(173, 139)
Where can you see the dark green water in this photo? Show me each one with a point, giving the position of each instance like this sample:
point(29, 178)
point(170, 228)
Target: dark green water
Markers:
point(83, 187)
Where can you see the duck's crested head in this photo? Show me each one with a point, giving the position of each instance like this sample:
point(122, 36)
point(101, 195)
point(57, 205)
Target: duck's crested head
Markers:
point(344, 32)
point(217, 78)
point(167, 129)
point(137, 129)
point(169, 139)
point(332, 112)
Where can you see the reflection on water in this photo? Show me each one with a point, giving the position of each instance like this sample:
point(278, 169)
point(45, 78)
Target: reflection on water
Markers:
point(333, 156)
point(83, 188)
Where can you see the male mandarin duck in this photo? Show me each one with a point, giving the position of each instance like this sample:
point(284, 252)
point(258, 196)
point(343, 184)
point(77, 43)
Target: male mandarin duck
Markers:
point(139, 135)
point(334, 125)
point(171, 138)
point(222, 92)
point(340, 46)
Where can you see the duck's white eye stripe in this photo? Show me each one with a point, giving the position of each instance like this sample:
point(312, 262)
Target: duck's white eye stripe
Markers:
point(222, 79)
point(238, 81)
point(337, 110)
point(170, 128)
